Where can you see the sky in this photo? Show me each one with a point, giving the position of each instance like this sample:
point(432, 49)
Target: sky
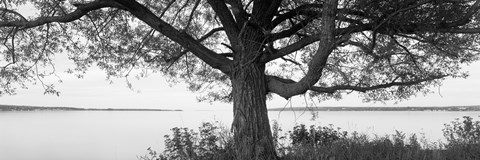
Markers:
point(93, 91)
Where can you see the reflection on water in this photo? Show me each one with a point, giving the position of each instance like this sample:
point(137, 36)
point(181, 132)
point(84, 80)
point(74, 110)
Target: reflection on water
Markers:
point(121, 135)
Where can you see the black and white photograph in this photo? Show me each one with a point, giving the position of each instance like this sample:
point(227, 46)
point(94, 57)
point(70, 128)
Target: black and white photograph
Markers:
point(239, 80)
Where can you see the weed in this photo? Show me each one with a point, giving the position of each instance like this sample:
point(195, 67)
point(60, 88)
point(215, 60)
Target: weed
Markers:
point(326, 143)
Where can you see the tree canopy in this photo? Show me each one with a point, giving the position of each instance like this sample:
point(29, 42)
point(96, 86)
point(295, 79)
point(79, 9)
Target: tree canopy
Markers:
point(386, 50)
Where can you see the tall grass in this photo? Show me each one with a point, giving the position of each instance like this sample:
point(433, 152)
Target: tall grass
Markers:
point(213, 141)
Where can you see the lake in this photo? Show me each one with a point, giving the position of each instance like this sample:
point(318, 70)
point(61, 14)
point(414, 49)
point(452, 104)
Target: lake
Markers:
point(124, 135)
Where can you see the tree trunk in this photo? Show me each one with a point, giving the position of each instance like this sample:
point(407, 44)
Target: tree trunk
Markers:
point(252, 135)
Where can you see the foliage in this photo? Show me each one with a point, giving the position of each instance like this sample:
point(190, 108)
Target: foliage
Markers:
point(463, 137)
point(393, 50)
point(462, 132)
point(314, 136)
point(211, 142)
point(362, 147)
point(325, 143)
point(279, 139)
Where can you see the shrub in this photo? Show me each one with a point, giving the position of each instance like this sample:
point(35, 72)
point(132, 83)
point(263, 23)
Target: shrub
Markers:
point(180, 144)
point(316, 135)
point(463, 138)
point(462, 132)
point(279, 141)
point(325, 143)
point(210, 143)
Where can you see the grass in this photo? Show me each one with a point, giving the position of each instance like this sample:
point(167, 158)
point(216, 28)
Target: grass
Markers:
point(327, 143)
point(393, 147)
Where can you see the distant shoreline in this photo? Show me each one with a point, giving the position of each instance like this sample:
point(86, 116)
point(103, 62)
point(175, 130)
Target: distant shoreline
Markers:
point(37, 108)
point(433, 108)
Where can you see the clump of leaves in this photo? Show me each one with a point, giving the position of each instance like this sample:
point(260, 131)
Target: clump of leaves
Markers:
point(210, 142)
point(463, 138)
point(280, 141)
point(462, 132)
point(316, 135)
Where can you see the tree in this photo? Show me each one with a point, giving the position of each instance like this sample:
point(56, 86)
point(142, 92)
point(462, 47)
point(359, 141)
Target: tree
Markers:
point(244, 50)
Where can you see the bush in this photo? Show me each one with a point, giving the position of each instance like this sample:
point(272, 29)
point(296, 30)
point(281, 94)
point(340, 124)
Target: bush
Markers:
point(463, 138)
point(462, 132)
point(212, 142)
point(325, 143)
point(316, 135)
point(279, 141)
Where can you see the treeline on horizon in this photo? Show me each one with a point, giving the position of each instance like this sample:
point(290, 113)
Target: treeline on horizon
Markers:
point(39, 108)
point(432, 108)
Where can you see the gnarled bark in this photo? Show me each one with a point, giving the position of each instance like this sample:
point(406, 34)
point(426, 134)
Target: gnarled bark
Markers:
point(252, 135)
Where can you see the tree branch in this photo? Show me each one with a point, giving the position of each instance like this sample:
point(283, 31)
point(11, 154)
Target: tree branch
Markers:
point(467, 17)
point(367, 49)
point(289, 32)
point(453, 30)
point(208, 56)
point(319, 60)
point(190, 18)
point(271, 11)
point(241, 16)
point(263, 12)
point(82, 9)
point(231, 27)
point(204, 37)
point(390, 16)
point(289, 49)
point(278, 81)
point(210, 33)
point(13, 12)
point(300, 10)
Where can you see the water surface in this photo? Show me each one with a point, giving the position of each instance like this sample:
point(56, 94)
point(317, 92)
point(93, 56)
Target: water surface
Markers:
point(124, 135)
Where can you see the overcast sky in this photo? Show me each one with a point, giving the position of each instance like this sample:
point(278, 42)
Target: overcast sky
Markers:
point(93, 91)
